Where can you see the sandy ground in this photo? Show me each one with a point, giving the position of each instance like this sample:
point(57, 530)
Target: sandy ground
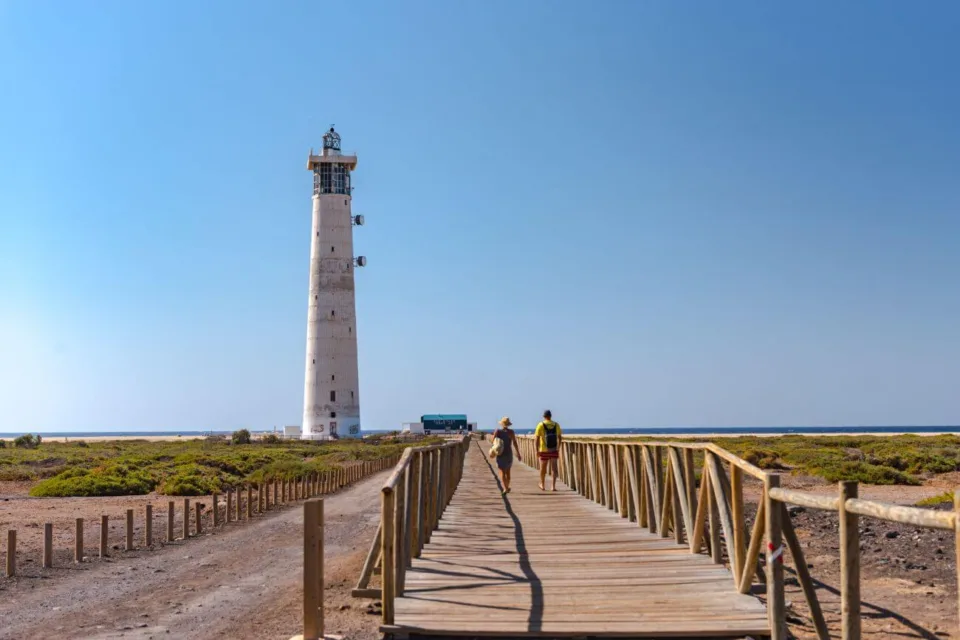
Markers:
point(243, 581)
point(109, 438)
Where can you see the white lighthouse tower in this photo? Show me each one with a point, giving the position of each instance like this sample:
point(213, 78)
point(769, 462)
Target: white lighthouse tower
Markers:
point(331, 386)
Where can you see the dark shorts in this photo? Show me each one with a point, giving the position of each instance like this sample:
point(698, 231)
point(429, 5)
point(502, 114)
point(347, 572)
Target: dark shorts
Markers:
point(549, 455)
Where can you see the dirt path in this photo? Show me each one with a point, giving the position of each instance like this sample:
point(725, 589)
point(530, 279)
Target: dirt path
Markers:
point(242, 582)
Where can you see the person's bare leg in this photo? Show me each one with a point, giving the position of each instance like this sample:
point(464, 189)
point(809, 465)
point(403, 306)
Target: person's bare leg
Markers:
point(506, 480)
point(543, 474)
point(554, 465)
point(503, 479)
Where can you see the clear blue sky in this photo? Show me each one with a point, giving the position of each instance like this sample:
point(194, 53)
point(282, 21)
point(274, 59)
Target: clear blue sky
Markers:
point(633, 213)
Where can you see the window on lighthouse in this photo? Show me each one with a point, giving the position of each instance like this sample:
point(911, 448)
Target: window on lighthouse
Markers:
point(331, 178)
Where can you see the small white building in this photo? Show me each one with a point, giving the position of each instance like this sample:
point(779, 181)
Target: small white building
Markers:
point(291, 433)
point(412, 427)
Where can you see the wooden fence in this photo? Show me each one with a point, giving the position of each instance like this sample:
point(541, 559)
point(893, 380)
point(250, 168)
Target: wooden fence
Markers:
point(684, 491)
point(241, 503)
point(413, 499)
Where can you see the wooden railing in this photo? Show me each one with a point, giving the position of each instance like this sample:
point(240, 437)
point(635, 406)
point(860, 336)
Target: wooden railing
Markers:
point(413, 499)
point(683, 490)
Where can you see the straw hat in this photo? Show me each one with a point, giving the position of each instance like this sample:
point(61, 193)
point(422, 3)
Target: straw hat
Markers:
point(505, 421)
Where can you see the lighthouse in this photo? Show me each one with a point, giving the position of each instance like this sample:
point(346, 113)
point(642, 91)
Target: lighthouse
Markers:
point(331, 387)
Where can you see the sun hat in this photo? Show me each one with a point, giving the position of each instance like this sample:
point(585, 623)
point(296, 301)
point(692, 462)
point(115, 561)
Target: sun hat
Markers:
point(505, 421)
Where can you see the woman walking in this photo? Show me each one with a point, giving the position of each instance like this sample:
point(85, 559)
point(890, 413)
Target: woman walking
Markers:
point(505, 459)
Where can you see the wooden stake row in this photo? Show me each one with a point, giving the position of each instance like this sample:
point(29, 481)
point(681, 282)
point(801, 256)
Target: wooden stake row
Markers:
point(318, 483)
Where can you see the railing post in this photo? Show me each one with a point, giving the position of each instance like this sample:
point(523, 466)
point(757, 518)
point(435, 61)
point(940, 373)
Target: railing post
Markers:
point(416, 539)
point(186, 518)
point(776, 603)
point(956, 530)
point(689, 474)
point(170, 508)
point(739, 523)
point(400, 530)
point(386, 554)
point(849, 565)
point(313, 569)
point(428, 475)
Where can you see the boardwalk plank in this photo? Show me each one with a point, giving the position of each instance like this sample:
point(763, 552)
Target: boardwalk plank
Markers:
point(538, 563)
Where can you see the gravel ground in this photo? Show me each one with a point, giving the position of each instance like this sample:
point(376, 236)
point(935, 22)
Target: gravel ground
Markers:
point(242, 581)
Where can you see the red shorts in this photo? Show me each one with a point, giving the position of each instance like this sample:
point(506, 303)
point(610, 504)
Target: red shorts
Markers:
point(549, 455)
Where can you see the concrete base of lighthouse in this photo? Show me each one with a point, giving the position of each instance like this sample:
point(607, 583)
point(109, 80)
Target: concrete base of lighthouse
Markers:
point(333, 429)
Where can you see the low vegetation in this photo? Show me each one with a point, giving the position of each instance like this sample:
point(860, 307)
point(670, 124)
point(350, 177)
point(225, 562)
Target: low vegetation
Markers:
point(182, 467)
point(936, 501)
point(902, 459)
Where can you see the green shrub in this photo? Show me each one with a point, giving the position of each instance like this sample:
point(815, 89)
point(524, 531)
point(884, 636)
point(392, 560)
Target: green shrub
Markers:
point(192, 480)
point(27, 441)
point(240, 437)
point(271, 438)
point(763, 458)
point(94, 482)
point(3, 444)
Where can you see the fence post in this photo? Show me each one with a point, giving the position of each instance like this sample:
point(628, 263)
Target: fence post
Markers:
point(274, 483)
point(216, 511)
point(776, 602)
point(78, 542)
point(186, 518)
point(956, 525)
point(129, 544)
point(148, 526)
point(104, 532)
point(313, 569)
point(11, 553)
point(170, 535)
point(849, 565)
point(249, 501)
point(387, 565)
point(199, 509)
point(259, 497)
point(229, 505)
point(48, 545)
point(238, 512)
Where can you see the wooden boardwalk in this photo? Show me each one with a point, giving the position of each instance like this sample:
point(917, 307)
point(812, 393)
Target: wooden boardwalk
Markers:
point(556, 564)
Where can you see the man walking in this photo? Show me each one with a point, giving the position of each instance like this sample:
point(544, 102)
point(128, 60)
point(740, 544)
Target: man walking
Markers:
point(547, 436)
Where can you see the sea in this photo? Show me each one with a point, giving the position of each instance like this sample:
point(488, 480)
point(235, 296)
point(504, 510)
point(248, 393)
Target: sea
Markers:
point(632, 431)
